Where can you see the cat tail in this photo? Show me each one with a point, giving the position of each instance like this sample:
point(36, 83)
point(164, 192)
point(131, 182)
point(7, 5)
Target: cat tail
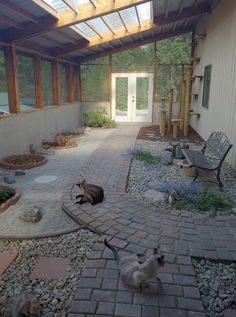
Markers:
point(115, 252)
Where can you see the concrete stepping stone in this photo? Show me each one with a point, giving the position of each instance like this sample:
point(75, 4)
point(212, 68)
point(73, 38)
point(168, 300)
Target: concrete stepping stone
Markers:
point(50, 267)
point(6, 258)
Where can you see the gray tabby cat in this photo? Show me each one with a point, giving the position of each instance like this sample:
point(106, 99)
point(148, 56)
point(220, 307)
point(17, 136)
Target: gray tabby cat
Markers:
point(134, 273)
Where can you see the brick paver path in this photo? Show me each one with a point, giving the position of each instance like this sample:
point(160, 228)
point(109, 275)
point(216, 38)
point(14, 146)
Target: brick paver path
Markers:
point(136, 226)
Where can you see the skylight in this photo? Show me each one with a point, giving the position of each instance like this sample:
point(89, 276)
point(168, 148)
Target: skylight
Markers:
point(60, 5)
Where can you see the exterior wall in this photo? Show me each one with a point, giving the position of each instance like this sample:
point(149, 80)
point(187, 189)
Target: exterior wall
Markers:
point(218, 49)
point(19, 131)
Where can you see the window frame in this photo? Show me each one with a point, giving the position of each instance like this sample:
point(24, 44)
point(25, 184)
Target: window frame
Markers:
point(206, 86)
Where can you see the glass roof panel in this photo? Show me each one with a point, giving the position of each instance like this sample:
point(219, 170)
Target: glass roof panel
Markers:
point(85, 29)
point(129, 16)
point(99, 25)
point(59, 5)
point(144, 11)
point(114, 20)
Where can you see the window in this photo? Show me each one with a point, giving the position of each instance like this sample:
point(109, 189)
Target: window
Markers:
point(206, 86)
point(46, 71)
point(4, 106)
point(26, 82)
point(62, 70)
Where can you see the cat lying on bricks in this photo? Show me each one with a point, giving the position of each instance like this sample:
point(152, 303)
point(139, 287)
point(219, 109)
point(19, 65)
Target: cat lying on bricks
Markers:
point(91, 193)
point(135, 273)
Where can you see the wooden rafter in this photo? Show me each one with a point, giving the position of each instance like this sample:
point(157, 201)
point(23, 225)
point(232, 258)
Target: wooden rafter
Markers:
point(137, 43)
point(10, 22)
point(181, 6)
point(108, 25)
point(46, 7)
point(65, 36)
point(71, 5)
point(167, 6)
point(68, 18)
point(19, 11)
point(137, 15)
point(93, 3)
point(122, 20)
point(94, 29)
point(50, 39)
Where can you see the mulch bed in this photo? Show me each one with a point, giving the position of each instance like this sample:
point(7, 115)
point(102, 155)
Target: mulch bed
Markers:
point(33, 160)
point(152, 132)
point(11, 201)
point(55, 146)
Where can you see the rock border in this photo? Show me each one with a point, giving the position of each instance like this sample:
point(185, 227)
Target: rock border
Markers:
point(11, 201)
point(38, 160)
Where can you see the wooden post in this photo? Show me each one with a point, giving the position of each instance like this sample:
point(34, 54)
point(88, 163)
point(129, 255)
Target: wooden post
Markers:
point(163, 105)
point(182, 108)
point(170, 109)
point(175, 127)
point(154, 95)
point(38, 81)
point(110, 92)
point(12, 79)
point(69, 84)
point(56, 83)
point(163, 122)
point(187, 100)
point(78, 84)
point(181, 91)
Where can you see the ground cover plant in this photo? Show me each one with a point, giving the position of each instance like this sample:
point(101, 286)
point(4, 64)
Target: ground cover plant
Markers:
point(143, 155)
point(99, 118)
point(20, 161)
point(6, 193)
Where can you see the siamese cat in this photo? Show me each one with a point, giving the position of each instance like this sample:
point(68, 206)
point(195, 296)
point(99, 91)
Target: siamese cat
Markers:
point(134, 273)
point(91, 193)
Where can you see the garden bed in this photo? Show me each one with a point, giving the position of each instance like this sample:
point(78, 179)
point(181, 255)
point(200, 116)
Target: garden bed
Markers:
point(11, 198)
point(25, 161)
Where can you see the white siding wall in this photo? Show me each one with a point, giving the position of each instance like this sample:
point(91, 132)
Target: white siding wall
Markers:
point(218, 49)
point(17, 132)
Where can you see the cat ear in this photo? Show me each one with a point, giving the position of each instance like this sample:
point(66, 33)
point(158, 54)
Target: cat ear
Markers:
point(155, 251)
point(161, 259)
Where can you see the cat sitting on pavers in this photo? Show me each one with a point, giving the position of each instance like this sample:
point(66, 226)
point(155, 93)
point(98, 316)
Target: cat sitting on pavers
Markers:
point(91, 193)
point(134, 273)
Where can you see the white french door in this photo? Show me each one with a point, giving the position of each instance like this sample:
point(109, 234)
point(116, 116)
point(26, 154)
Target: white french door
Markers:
point(132, 95)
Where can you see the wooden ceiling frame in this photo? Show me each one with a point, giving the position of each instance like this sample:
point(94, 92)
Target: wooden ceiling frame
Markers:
point(81, 33)
point(123, 22)
point(107, 25)
point(93, 3)
point(19, 11)
point(67, 18)
point(137, 15)
point(88, 23)
point(65, 36)
point(5, 20)
point(136, 44)
point(71, 5)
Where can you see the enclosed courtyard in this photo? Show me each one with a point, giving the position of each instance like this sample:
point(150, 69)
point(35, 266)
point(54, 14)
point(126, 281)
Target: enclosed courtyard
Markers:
point(138, 98)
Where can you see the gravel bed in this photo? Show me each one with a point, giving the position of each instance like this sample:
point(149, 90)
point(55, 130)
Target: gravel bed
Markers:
point(141, 174)
point(217, 285)
point(55, 295)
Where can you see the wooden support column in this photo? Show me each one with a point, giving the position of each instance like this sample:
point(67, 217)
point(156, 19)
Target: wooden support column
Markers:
point(78, 83)
point(154, 97)
point(38, 81)
point(170, 109)
point(163, 122)
point(110, 91)
point(69, 84)
point(56, 83)
point(12, 79)
point(187, 100)
point(182, 108)
point(181, 96)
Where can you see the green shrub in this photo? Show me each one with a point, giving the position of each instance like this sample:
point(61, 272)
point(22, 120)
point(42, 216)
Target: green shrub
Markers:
point(146, 157)
point(6, 193)
point(204, 199)
point(99, 118)
point(21, 161)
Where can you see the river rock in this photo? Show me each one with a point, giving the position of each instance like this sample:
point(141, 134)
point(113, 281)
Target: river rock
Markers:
point(19, 172)
point(154, 196)
point(33, 214)
point(9, 179)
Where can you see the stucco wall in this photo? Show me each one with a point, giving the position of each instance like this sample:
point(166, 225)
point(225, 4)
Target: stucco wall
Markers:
point(18, 131)
point(87, 106)
point(219, 50)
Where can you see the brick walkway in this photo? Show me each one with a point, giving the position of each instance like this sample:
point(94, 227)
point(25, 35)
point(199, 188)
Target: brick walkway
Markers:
point(136, 226)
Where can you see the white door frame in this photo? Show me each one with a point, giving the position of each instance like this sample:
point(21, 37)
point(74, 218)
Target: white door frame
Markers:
point(131, 102)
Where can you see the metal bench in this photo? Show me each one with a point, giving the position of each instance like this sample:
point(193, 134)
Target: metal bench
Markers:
point(218, 144)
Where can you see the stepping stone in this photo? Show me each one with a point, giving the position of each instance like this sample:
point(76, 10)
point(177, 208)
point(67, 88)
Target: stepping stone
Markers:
point(6, 258)
point(50, 268)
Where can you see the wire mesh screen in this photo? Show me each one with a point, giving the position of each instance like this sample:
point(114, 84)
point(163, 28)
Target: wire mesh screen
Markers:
point(46, 72)
point(75, 74)
point(62, 71)
point(167, 77)
point(137, 59)
point(26, 82)
point(95, 80)
point(4, 106)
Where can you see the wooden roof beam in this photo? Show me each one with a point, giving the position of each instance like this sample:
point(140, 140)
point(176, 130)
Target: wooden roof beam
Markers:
point(93, 3)
point(94, 29)
point(19, 11)
point(108, 25)
point(136, 44)
point(71, 5)
point(137, 15)
point(10, 22)
point(69, 18)
point(122, 20)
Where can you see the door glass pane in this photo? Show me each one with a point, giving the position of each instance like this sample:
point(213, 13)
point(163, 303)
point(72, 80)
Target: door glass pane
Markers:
point(121, 96)
point(142, 89)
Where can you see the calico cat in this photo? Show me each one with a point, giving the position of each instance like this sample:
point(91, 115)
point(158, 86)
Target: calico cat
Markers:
point(91, 193)
point(134, 273)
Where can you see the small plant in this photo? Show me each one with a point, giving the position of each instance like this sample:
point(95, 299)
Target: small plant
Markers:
point(146, 157)
point(99, 118)
point(20, 161)
point(6, 193)
point(204, 199)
